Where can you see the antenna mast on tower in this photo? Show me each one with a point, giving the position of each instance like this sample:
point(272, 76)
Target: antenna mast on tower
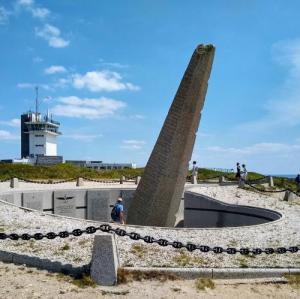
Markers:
point(36, 102)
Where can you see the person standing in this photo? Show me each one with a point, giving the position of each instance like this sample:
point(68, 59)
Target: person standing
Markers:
point(238, 171)
point(244, 173)
point(297, 180)
point(195, 169)
point(117, 213)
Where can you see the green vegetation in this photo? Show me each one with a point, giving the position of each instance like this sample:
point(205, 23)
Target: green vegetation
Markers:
point(284, 183)
point(125, 276)
point(69, 171)
point(204, 174)
point(204, 283)
point(184, 259)
point(81, 282)
point(293, 280)
point(65, 247)
point(139, 250)
point(61, 171)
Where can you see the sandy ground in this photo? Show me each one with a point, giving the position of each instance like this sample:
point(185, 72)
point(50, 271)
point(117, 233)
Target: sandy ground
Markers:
point(23, 282)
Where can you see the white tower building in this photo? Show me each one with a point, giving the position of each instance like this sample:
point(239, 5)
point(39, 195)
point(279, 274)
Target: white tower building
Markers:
point(42, 135)
point(39, 137)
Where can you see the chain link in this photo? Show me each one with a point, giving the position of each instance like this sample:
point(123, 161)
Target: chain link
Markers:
point(102, 181)
point(272, 191)
point(106, 228)
point(45, 182)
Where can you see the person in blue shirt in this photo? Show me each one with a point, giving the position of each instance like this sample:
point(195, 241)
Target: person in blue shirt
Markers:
point(117, 213)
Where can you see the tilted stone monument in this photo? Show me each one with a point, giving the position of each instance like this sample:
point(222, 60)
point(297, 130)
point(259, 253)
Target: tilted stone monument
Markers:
point(158, 194)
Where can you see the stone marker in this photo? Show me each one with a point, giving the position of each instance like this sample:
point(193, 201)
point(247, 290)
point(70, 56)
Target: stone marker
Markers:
point(270, 181)
point(221, 179)
point(122, 179)
point(14, 183)
point(98, 202)
point(157, 198)
point(290, 196)
point(33, 201)
point(137, 180)
point(79, 182)
point(104, 265)
point(64, 204)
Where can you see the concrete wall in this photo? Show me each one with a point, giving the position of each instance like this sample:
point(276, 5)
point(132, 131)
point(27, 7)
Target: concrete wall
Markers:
point(92, 204)
point(204, 211)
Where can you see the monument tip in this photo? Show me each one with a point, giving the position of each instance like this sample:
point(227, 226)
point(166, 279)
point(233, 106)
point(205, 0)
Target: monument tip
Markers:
point(206, 48)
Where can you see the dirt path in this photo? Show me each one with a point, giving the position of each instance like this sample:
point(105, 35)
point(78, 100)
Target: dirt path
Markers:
point(23, 282)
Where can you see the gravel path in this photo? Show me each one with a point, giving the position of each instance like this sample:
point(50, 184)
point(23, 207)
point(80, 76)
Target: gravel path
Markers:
point(77, 250)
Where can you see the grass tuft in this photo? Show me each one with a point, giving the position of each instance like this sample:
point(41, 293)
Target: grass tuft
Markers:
point(204, 283)
point(293, 280)
point(125, 276)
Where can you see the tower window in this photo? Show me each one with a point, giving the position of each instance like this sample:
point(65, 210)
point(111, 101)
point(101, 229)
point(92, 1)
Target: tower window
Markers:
point(39, 145)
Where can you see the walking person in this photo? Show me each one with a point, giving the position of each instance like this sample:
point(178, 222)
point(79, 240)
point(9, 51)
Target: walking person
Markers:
point(297, 180)
point(238, 171)
point(117, 212)
point(244, 173)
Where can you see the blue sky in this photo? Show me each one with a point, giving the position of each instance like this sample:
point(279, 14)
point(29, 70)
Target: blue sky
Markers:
point(108, 71)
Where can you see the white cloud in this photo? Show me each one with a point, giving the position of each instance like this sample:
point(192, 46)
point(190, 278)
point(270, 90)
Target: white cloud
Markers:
point(133, 144)
point(52, 35)
point(5, 135)
point(53, 69)
point(257, 149)
point(283, 109)
point(33, 85)
point(87, 107)
point(37, 59)
point(101, 81)
point(15, 122)
point(83, 137)
point(36, 12)
point(4, 15)
point(266, 157)
point(40, 13)
point(137, 116)
point(26, 2)
point(116, 65)
point(62, 82)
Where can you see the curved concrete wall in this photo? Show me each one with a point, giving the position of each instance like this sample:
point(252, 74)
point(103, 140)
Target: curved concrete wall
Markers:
point(92, 204)
point(204, 211)
point(95, 204)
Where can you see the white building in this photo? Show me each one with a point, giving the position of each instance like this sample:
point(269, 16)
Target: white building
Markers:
point(39, 138)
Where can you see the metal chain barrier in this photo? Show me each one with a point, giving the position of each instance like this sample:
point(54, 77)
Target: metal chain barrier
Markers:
point(211, 178)
point(102, 181)
point(257, 180)
point(272, 191)
point(4, 180)
point(106, 228)
point(46, 182)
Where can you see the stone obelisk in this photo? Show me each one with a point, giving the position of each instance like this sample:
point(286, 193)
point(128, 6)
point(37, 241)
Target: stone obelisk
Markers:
point(158, 195)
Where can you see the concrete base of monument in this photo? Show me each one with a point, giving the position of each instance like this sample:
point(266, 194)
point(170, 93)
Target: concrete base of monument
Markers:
point(196, 209)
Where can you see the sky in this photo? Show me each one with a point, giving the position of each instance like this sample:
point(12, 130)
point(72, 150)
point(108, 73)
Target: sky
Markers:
point(109, 70)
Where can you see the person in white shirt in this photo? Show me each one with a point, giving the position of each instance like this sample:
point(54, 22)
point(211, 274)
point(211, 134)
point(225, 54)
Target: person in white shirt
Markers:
point(244, 172)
